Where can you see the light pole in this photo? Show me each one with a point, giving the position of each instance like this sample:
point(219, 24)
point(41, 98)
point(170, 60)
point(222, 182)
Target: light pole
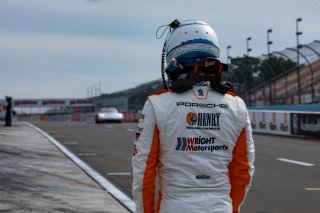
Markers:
point(268, 41)
point(228, 57)
point(248, 49)
point(298, 67)
point(268, 44)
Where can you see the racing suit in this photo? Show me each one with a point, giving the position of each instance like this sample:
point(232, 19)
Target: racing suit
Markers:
point(199, 145)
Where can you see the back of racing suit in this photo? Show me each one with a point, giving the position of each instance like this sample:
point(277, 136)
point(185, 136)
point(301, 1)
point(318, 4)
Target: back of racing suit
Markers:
point(199, 144)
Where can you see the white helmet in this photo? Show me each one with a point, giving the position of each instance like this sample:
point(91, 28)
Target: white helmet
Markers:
point(190, 55)
point(189, 41)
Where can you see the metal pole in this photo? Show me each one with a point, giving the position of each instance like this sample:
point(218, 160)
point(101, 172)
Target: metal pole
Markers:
point(248, 49)
point(228, 57)
point(268, 41)
point(298, 66)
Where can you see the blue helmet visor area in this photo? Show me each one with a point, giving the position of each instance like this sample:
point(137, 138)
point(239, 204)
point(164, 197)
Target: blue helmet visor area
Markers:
point(205, 41)
point(188, 52)
point(188, 59)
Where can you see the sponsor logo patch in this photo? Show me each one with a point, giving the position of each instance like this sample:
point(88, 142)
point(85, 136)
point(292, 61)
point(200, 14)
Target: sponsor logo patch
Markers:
point(135, 150)
point(204, 121)
point(138, 133)
point(202, 105)
point(200, 92)
point(203, 177)
point(198, 144)
point(192, 118)
point(140, 117)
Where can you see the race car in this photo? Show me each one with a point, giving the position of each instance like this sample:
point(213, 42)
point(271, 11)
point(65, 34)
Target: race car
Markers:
point(108, 114)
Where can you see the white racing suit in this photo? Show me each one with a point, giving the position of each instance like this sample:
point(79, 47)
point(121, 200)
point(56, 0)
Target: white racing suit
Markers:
point(199, 144)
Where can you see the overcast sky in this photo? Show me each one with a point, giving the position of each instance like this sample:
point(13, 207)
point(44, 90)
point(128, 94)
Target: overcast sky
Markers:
point(60, 48)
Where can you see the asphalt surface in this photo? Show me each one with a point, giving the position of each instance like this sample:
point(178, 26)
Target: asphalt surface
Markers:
point(106, 147)
point(36, 176)
point(287, 177)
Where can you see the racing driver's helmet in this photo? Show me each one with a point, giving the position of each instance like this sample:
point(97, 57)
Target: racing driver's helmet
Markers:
point(186, 43)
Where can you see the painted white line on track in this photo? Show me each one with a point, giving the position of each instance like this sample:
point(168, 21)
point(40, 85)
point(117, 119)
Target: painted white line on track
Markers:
point(71, 143)
point(118, 173)
point(130, 130)
point(295, 162)
point(87, 154)
point(102, 181)
point(312, 189)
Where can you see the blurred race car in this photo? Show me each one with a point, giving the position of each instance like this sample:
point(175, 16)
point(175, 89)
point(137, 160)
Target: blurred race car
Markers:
point(109, 114)
point(2, 112)
point(2, 115)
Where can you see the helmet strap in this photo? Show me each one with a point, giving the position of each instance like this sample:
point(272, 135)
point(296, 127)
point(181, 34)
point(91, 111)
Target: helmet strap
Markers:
point(216, 82)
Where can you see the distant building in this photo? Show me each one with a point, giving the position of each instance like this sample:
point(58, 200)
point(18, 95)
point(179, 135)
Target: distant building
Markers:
point(52, 105)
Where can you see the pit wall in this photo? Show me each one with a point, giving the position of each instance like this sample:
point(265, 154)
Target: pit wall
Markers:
point(285, 122)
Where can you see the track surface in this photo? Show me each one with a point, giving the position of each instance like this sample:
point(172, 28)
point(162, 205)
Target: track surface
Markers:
point(287, 177)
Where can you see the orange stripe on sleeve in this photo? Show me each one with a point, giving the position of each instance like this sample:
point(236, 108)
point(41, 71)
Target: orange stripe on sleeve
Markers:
point(231, 93)
point(148, 188)
point(162, 91)
point(159, 201)
point(159, 92)
point(239, 171)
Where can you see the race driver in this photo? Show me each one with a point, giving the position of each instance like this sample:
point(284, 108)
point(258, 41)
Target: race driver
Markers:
point(194, 150)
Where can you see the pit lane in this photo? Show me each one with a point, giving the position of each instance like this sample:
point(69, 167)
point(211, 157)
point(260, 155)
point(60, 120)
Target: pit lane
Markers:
point(278, 186)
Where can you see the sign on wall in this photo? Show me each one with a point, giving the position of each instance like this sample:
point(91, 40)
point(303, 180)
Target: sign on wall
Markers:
point(272, 122)
point(305, 123)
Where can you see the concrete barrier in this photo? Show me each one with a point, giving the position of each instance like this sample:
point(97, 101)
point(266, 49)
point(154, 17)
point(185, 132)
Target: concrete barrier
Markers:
point(285, 122)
